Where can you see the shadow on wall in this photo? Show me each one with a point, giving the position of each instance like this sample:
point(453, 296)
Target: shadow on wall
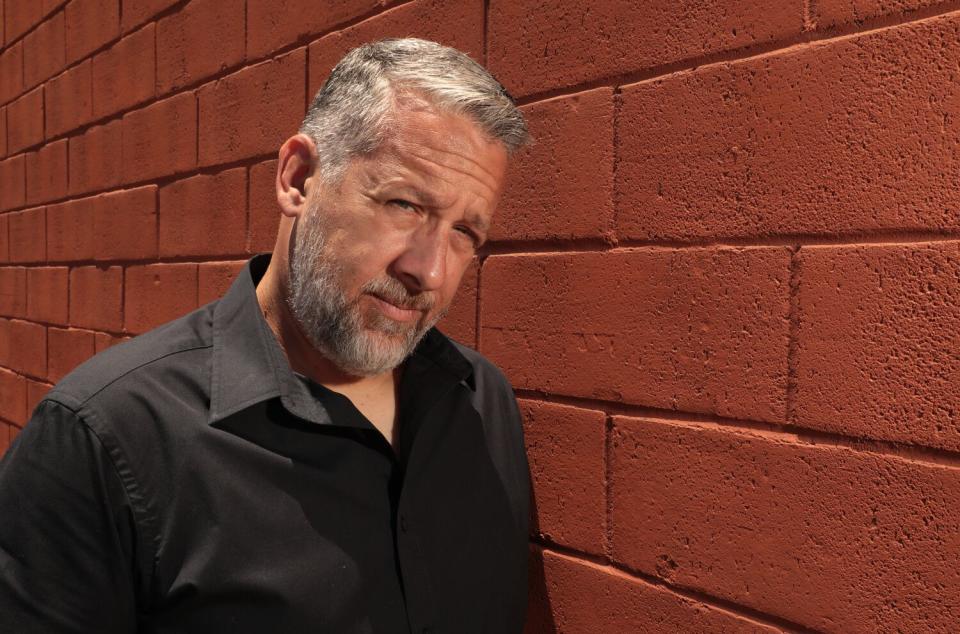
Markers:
point(539, 611)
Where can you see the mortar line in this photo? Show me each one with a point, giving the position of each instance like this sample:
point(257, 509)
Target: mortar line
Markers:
point(615, 167)
point(486, 31)
point(607, 480)
point(775, 432)
point(778, 46)
point(699, 596)
point(793, 335)
point(481, 259)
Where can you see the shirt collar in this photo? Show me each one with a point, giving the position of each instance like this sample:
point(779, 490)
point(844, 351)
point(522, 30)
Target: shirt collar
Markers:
point(249, 366)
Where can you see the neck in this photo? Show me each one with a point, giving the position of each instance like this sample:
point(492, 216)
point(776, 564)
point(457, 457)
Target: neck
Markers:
point(300, 353)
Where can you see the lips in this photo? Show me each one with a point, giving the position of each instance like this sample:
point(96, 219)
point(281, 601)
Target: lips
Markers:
point(395, 311)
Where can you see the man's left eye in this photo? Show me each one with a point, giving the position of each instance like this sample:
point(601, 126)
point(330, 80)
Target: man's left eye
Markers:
point(474, 238)
point(403, 204)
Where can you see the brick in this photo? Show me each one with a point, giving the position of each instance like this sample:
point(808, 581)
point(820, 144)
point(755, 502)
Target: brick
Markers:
point(157, 293)
point(456, 24)
point(95, 158)
point(204, 215)
point(263, 215)
point(47, 294)
point(461, 320)
point(5, 238)
point(202, 39)
point(125, 224)
point(36, 390)
point(68, 349)
point(824, 139)
point(28, 347)
point(20, 17)
point(13, 291)
point(828, 13)
point(90, 25)
point(69, 99)
point(538, 45)
point(13, 182)
point(136, 12)
point(103, 340)
point(70, 232)
point(11, 72)
point(274, 24)
point(96, 294)
point(44, 53)
point(562, 185)
point(214, 278)
point(13, 397)
point(25, 121)
point(124, 75)
point(240, 115)
point(28, 235)
point(160, 139)
point(877, 341)
point(3, 132)
point(46, 173)
point(578, 597)
point(828, 538)
point(49, 6)
point(565, 447)
point(698, 330)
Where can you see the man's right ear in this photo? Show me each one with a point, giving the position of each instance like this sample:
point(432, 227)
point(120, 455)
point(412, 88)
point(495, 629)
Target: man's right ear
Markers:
point(297, 172)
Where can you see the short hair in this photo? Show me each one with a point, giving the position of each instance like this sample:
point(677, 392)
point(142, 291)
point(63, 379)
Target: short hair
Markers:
point(351, 114)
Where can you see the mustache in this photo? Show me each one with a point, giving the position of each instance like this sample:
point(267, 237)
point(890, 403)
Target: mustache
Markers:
point(396, 293)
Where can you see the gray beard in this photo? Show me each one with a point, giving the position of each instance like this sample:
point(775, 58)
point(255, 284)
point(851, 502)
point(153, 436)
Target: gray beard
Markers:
point(335, 325)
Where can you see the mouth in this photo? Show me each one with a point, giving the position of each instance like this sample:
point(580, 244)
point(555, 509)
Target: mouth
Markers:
point(395, 312)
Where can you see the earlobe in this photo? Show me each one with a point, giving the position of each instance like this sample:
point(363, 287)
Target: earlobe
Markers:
point(296, 167)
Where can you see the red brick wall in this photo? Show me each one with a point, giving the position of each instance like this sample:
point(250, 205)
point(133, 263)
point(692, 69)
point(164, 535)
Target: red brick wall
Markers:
point(725, 282)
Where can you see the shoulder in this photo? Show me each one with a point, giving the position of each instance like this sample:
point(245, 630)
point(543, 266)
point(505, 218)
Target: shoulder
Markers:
point(146, 359)
point(488, 378)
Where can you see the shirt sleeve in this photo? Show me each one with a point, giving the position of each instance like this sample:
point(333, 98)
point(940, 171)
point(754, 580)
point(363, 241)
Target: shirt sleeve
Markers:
point(66, 531)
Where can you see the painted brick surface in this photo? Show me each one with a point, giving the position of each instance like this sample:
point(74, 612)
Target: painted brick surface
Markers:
point(815, 534)
point(723, 282)
point(878, 341)
point(694, 330)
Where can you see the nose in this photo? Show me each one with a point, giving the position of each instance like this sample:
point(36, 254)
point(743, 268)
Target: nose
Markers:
point(422, 266)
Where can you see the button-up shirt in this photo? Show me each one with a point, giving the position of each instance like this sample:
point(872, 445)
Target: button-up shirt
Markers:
point(189, 481)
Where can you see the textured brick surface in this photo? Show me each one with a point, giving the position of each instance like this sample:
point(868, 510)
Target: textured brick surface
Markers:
point(95, 158)
point(28, 348)
point(13, 291)
point(13, 182)
point(125, 224)
point(818, 535)
point(25, 121)
point(160, 139)
point(103, 340)
point(13, 397)
point(96, 294)
point(28, 235)
point(457, 24)
point(702, 330)
point(157, 293)
point(576, 597)
point(461, 320)
point(20, 17)
point(273, 24)
point(562, 185)
point(11, 72)
point(237, 122)
point(537, 45)
point(90, 25)
point(4, 238)
point(69, 96)
point(565, 449)
point(124, 75)
point(204, 37)
point(136, 12)
point(46, 173)
point(44, 53)
point(849, 135)
point(70, 232)
point(68, 349)
point(47, 294)
point(878, 340)
point(829, 13)
point(204, 215)
point(264, 212)
point(36, 390)
point(214, 278)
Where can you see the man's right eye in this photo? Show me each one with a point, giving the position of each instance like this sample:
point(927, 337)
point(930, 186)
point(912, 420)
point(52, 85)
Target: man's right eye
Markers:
point(403, 204)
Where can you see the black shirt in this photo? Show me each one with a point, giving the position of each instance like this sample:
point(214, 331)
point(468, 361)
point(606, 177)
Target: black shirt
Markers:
point(189, 481)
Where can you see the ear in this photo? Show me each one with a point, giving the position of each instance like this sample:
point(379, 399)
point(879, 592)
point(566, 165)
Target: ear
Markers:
point(297, 173)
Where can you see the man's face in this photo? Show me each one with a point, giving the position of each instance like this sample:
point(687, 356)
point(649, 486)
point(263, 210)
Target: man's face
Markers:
point(378, 256)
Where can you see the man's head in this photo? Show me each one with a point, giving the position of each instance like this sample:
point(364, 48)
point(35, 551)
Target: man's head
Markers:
point(392, 182)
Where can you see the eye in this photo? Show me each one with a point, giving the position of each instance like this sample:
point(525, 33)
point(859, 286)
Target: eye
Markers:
point(403, 204)
point(469, 233)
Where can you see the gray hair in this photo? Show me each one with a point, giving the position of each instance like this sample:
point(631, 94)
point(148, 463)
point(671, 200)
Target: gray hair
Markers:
point(351, 114)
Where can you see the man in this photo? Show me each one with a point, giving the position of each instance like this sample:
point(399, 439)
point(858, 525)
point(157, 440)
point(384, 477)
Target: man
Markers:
point(307, 454)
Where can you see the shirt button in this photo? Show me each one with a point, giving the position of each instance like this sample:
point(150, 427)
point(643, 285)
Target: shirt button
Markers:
point(403, 523)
